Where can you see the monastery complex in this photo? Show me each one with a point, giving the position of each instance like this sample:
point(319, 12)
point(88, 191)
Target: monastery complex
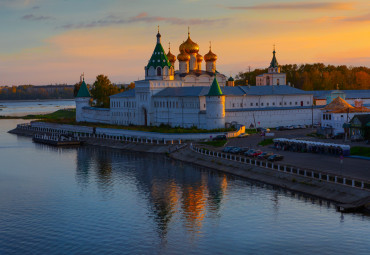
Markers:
point(196, 94)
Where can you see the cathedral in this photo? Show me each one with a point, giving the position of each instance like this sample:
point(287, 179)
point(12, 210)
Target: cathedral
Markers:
point(190, 96)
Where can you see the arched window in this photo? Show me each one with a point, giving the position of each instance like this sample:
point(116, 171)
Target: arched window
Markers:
point(268, 80)
point(159, 71)
point(278, 82)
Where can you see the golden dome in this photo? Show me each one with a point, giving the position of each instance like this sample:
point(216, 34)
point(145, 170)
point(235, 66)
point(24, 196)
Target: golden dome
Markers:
point(210, 56)
point(199, 58)
point(189, 46)
point(183, 56)
point(170, 56)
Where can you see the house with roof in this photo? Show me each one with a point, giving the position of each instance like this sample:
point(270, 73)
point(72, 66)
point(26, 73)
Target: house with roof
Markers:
point(190, 96)
point(339, 112)
point(360, 127)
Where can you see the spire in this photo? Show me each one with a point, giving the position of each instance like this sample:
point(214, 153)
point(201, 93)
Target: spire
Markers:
point(158, 36)
point(215, 89)
point(188, 32)
point(274, 62)
point(83, 91)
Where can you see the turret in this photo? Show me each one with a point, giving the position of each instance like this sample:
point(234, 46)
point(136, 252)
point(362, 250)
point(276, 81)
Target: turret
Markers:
point(159, 68)
point(82, 100)
point(274, 65)
point(210, 59)
point(230, 82)
point(215, 107)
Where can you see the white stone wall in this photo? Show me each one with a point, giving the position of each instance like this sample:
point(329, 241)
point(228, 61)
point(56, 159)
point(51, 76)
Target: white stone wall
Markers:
point(96, 115)
point(274, 118)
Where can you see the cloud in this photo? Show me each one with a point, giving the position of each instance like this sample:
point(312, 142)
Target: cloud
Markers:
point(362, 18)
point(141, 17)
point(36, 18)
point(296, 6)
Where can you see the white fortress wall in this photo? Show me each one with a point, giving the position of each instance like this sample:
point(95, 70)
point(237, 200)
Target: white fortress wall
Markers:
point(97, 115)
point(274, 118)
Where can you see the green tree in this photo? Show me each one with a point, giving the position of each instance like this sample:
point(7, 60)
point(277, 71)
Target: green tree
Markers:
point(102, 89)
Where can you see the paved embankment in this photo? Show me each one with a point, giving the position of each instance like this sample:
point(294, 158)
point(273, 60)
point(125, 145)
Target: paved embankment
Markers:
point(132, 146)
point(329, 191)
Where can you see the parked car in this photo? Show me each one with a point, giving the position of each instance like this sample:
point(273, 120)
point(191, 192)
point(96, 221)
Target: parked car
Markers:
point(290, 127)
point(244, 149)
point(265, 155)
point(243, 135)
point(249, 152)
point(279, 128)
point(219, 138)
point(256, 153)
point(338, 136)
point(228, 148)
point(235, 150)
point(275, 157)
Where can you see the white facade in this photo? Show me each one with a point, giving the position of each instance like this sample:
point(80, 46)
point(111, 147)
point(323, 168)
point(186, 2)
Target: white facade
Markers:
point(180, 98)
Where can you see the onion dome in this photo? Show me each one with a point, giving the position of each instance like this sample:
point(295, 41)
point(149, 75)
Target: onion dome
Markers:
point(199, 58)
point(231, 78)
point(210, 56)
point(183, 56)
point(170, 56)
point(189, 46)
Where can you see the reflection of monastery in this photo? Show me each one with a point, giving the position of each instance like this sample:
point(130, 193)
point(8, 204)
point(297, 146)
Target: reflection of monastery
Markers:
point(191, 96)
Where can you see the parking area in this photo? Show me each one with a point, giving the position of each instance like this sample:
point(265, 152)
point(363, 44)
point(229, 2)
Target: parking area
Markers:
point(357, 168)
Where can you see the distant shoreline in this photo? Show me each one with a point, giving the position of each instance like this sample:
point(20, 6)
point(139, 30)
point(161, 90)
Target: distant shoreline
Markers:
point(34, 100)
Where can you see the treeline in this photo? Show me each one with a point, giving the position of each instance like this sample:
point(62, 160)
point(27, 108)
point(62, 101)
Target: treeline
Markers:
point(316, 76)
point(30, 92)
point(102, 89)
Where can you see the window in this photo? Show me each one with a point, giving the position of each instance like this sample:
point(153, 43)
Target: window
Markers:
point(261, 104)
point(290, 103)
point(268, 104)
point(233, 105)
point(280, 103)
point(159, 71)
point(256, 104)
point(308, 102)
point(241, 104)
point(278, 82)
point(296, 103)
point(251, 104)
point(273, 103)
point(284, 103)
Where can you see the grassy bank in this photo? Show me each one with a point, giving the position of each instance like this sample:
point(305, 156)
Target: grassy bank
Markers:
point(360, 151)
point(266, 142)
point(61, 115)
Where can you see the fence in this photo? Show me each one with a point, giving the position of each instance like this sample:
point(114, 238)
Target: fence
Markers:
point(309, 173)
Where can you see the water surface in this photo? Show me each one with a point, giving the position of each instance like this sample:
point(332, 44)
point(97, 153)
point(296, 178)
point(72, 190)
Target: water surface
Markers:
point(92, 200)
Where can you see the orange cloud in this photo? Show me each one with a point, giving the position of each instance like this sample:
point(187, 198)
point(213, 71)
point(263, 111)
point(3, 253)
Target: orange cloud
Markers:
point(296, 6)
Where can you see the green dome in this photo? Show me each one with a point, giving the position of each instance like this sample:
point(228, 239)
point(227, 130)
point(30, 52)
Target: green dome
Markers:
point(231, 79)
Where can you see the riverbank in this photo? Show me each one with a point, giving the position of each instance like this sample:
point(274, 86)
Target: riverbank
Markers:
point(347, 197)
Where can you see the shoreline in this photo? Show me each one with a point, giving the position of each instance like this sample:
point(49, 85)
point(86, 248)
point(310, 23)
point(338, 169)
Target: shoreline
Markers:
point(348, 199)
point(36, 100)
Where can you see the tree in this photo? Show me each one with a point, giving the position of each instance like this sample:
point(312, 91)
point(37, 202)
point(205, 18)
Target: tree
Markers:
point(102, 89)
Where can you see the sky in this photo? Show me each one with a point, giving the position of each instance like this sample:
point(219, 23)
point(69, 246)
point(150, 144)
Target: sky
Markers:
point(54, 41)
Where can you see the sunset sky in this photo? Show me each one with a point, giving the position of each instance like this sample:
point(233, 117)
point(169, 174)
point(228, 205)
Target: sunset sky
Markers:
point(50, 41)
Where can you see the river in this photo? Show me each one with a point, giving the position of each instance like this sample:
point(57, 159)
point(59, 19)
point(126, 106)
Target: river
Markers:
point(93, 200)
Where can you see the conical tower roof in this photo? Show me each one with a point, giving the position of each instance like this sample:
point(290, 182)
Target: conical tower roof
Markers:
point(215, 89)
point(83, 91)
point(274, 62)
point(159, 56)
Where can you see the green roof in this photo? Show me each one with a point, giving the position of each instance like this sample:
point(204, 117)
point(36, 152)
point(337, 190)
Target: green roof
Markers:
point(159, 58)
point(274, 62)
point(215, 89)
point(83, 91)
point(231, 79)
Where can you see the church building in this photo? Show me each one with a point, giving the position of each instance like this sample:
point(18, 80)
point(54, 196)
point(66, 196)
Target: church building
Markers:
point(191, 96)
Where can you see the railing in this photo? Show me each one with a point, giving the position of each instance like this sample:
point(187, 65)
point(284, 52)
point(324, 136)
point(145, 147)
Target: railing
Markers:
point(122, 138)
point(309, 173)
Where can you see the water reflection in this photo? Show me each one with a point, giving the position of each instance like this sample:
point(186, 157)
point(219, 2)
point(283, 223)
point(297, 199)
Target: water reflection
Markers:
point(170, 190)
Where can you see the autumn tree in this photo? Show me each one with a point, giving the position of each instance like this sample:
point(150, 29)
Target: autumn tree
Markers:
point(102, 89)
